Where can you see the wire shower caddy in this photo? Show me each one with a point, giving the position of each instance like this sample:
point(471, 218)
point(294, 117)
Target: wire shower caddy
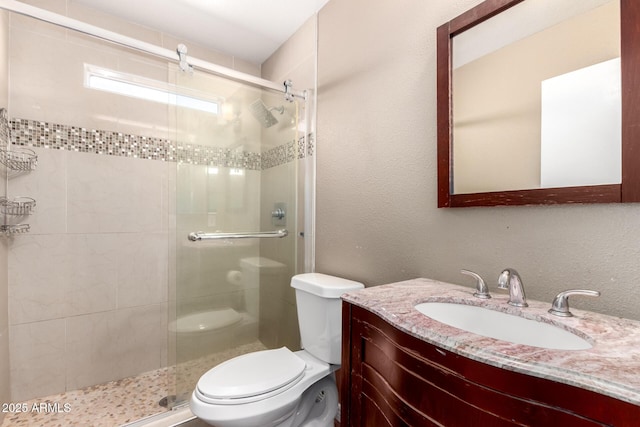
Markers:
point(15, 159)
point(18, 159)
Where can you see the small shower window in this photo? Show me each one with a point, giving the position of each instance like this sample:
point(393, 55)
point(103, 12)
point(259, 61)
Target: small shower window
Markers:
point(151, 90)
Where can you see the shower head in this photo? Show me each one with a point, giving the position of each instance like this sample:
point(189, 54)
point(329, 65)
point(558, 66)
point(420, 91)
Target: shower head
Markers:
point(264, 114)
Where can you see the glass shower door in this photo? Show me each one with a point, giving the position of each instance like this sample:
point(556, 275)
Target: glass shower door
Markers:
point(236, 174)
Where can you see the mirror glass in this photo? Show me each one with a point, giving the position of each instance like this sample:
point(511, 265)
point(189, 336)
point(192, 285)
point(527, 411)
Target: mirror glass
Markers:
point(536, 98)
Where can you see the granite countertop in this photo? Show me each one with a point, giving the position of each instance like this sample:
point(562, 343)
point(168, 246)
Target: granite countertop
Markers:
point(610, 367)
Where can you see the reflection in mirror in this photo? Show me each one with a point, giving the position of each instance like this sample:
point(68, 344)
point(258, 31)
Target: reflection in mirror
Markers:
point(522, 96)
point(536, 98)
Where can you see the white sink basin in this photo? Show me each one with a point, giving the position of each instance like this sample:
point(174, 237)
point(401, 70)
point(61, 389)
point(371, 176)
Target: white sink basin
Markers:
point(502, 326)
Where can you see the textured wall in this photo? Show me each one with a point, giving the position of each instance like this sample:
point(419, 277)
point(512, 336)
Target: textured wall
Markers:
point(377, 220)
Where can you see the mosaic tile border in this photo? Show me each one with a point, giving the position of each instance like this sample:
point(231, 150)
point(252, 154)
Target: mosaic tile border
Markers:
point(31, 133)
point(4, 127)
point(286, 153)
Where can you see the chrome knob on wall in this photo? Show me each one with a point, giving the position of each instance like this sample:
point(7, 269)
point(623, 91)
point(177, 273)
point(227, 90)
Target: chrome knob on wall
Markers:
point(278, 213)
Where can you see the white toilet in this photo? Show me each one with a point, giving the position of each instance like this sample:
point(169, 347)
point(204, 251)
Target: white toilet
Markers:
point(280, 387)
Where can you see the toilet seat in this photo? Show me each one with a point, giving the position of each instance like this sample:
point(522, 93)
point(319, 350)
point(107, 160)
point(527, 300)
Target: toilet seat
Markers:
point(251, 377)
point(269, 409)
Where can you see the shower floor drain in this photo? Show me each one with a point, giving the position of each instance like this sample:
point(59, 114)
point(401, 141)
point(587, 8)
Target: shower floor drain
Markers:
point(168, 401)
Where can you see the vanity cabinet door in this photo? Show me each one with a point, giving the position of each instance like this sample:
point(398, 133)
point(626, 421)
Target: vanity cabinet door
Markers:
point(393, 379)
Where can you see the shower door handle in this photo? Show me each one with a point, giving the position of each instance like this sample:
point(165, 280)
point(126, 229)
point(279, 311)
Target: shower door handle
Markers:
point(198, 235)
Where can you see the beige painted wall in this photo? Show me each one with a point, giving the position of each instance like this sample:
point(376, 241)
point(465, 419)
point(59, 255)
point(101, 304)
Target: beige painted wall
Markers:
point(377, 220)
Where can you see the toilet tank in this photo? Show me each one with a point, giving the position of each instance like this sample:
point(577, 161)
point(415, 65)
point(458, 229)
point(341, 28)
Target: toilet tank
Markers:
point(320, 313)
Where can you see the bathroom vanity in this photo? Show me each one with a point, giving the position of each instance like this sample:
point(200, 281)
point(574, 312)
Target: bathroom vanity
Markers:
point(401, 367)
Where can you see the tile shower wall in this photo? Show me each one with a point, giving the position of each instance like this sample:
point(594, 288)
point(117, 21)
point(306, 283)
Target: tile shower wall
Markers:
point(4, 285)
point(88, 284)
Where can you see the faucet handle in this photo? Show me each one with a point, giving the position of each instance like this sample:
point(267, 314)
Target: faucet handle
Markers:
point(482, 291)
point(560, 304)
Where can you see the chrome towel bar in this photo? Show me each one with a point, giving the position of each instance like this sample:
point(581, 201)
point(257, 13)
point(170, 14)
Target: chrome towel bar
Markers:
point(197, 236)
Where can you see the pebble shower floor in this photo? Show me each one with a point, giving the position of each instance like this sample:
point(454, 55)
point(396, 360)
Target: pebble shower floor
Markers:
point(114, 403)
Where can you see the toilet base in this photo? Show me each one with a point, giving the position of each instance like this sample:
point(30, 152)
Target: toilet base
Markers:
point(318, 405)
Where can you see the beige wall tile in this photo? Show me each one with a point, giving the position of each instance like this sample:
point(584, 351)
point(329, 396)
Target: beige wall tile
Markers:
point(115, 194)
point(4, 63)
point(141, 339)
point(92, 281)
point(58, 95)
point(108, 22)
point(56, 6)
point(142, 266)
point(5, 373)
point(38, 278)
point(107, 346)
point(41, 27)
point(91, 353)
point(37, 359)
point(85, 273)
point(5, 390)
point(166, 338)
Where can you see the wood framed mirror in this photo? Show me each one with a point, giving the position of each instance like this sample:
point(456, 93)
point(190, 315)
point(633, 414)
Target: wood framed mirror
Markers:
point(552, 117)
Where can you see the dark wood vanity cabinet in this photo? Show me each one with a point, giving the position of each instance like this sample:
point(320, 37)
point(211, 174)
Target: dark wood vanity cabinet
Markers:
point(390, 378)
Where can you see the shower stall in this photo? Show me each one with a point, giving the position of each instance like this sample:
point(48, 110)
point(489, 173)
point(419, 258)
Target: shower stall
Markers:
point(168, 217)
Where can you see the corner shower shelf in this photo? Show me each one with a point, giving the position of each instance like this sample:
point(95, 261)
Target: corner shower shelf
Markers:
point(19, 206)
point(18, 159)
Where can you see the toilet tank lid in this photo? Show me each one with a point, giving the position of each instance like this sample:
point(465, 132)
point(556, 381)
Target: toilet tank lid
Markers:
point(323, 285)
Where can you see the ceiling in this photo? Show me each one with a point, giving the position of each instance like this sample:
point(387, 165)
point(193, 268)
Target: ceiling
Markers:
point(248, 29)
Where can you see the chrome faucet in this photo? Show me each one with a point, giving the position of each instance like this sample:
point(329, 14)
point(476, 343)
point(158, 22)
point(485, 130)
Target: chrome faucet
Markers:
point(510, 279)
point(482, 290)
point(560, 304)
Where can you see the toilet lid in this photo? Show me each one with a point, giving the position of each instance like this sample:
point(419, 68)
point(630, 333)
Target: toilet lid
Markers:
point(252, 374)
